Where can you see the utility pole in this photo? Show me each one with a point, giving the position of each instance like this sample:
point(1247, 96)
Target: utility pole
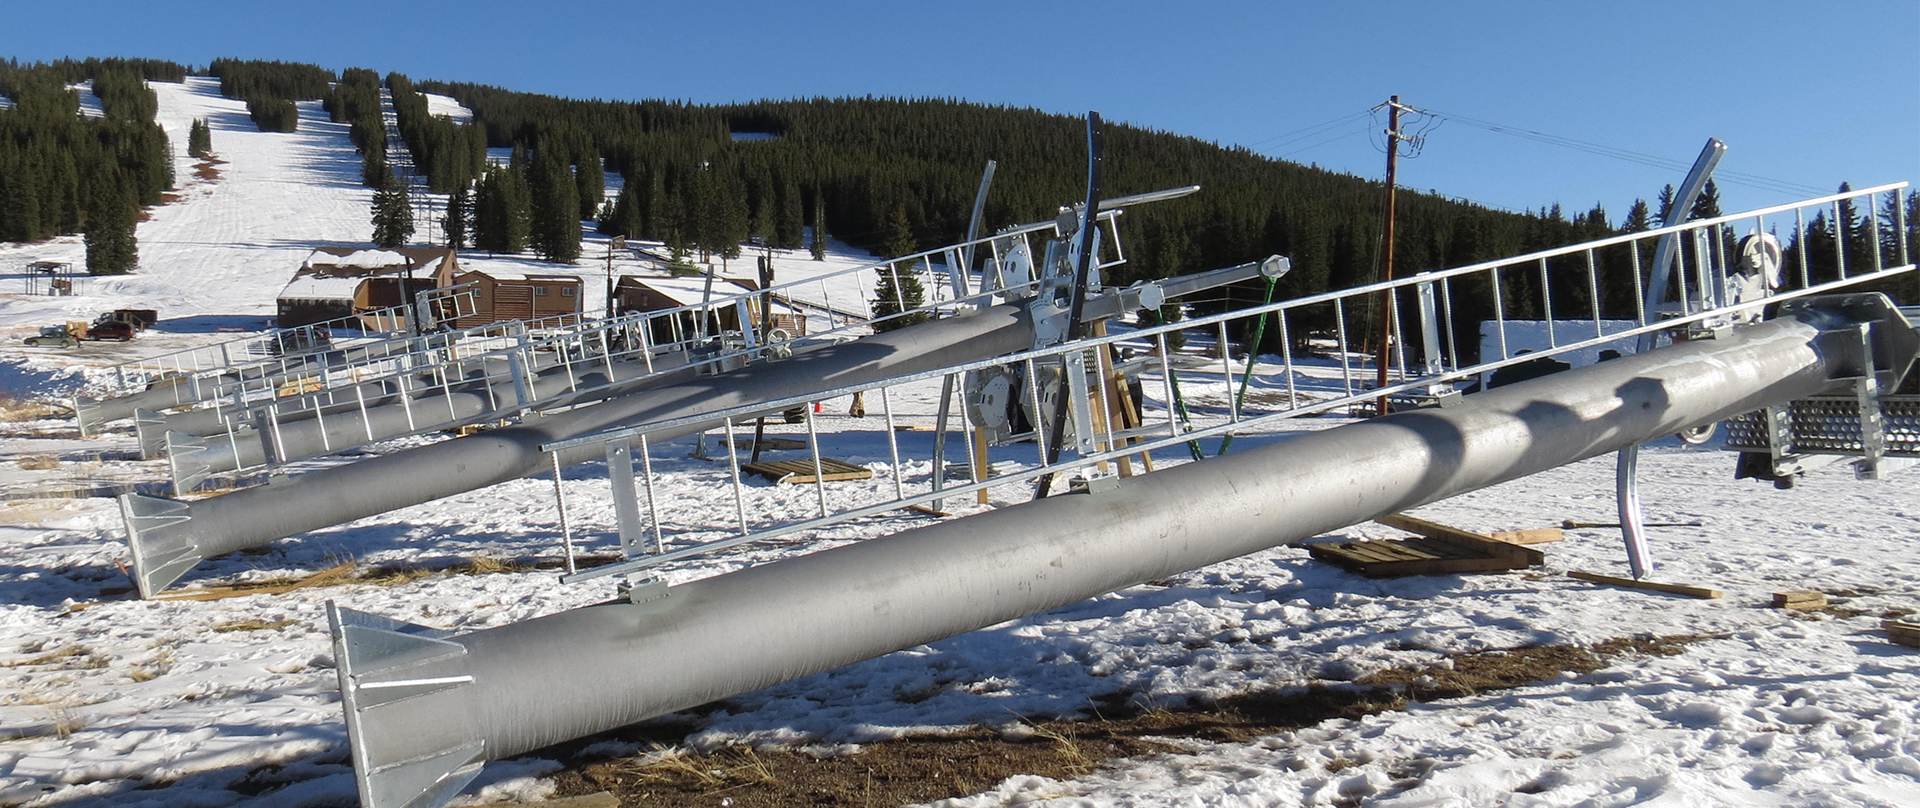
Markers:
point(1386, 256)
point(616, 243)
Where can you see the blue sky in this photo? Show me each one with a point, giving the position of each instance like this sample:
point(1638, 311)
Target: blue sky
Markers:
point(1805, 94)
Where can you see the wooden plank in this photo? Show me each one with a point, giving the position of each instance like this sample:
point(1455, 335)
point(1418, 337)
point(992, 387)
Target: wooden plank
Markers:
point(1902, 632)
point(1333, 554)
point(982, 469)
point(1800, 599)
point(1484, 545)
point(1540, 535)
point(1675, 589)
point(801, 471)
point(1414, 556)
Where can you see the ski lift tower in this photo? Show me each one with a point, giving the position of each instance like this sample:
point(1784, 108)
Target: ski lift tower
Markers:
point(51, 278)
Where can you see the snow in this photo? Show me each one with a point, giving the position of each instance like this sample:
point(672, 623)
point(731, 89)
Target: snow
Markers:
point(359, 259)
point(106, 700)
point(317, 287)
point(440, 105)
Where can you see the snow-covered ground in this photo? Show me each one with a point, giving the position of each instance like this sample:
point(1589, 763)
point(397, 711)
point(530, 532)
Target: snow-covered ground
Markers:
point(106, 700)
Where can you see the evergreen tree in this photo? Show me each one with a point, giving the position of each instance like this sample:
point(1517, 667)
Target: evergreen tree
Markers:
point(819, 246)
point(459, 219)
point(555, 208)
point(624, 219)
point(199, 140)
point(652, 205)
point(1666, 206)
point(392, 216)
point(789, 224)
point(501, 215)
point(112, 248)
point(1708, 205)
point(1855, 232)
point(374, 172)
point(735, 222)
point(590, 184)
point(1638, 219)
point(273, 114)
point(899, 288)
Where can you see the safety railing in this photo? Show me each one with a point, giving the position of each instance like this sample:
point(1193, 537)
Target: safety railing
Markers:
point(1142, 395)
point(531, 371)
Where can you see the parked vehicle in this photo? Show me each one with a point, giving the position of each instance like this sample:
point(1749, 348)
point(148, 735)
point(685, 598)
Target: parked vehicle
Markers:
point(105, 328)
point(53, 336)
point(140, 319)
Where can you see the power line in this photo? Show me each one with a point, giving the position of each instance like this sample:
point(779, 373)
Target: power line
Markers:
point(1312, 146)
point(1304, 132)
point(1625, 155)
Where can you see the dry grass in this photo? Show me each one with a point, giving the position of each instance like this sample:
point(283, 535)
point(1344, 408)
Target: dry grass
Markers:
point(730, 768)
point(38, 462)
point(159, 665)
point(933, 767)
point(1066, 739)
point(56, 656)
point(63, 721)
point(477, 565)
point(14, 409)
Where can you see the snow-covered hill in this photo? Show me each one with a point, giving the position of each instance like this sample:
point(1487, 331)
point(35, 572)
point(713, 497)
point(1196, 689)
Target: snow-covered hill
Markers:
point(105, 700)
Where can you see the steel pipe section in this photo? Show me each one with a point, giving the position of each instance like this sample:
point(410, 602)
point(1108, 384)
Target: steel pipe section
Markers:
point(425, 709)
point(167, 537)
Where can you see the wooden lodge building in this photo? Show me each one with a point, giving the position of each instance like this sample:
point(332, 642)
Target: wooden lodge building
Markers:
point(338, 282)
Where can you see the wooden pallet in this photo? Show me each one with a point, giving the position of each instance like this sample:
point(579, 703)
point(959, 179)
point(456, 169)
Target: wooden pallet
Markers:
point(801, 471)
point(1388, 558)
point(1435, 550)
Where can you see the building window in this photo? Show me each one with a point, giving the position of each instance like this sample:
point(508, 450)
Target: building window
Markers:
point(566, 292)
point(539, 290)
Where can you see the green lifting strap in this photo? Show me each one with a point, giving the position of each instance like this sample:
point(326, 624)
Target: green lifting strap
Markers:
point(1240, 399)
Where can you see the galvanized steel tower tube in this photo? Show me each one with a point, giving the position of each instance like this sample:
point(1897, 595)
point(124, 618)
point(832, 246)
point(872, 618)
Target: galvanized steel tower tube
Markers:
point(425, 709)
point(168, 537)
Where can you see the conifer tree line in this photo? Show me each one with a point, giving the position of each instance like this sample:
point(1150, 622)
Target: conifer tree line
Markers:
point(241, 79)
point(64, 173)
point(355, 101)
point(449, 154)
point(199, 140)
point(851, 165)
point(271, 88)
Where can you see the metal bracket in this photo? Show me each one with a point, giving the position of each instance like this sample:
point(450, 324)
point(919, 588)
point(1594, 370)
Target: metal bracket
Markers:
point(644, 589)
point(1079, 403)
point(184, 462)
point(382, 663)
point(1094, 484)
point(150, 428)
point(160, 552)
point(626, 507)
point(86, 415)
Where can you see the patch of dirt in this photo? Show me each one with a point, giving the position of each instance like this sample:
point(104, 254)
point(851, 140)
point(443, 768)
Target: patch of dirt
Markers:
point(927, 768)
point(208, 169)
